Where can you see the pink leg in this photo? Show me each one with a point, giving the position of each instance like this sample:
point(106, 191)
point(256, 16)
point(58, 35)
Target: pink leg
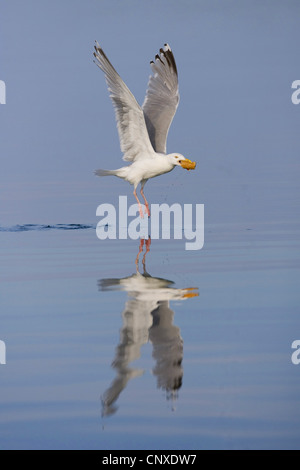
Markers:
point(140, 206)
point(140, 251)
point(146, 202)
point(148, 243)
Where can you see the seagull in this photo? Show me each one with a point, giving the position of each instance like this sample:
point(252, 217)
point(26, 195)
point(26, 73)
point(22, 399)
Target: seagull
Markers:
point(143, 130)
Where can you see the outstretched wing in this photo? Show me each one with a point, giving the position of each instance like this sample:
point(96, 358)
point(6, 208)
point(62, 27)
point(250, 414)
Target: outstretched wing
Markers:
point(161, 99)
point(133, 134)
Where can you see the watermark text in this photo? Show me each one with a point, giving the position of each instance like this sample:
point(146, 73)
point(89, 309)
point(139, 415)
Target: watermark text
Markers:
point(2, 353)
point(151, 459)
point(296, 95)
point(165, 222)
point(296, 354)
point(2, 92)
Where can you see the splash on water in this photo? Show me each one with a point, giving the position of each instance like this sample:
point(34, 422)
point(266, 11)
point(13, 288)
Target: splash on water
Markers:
point(43, 227)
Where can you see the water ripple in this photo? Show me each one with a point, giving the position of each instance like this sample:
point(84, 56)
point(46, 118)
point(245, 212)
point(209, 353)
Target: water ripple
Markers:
point(43, 227)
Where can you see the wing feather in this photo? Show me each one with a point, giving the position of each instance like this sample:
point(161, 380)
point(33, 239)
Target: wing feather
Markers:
point(162, 98)
point(133, 134)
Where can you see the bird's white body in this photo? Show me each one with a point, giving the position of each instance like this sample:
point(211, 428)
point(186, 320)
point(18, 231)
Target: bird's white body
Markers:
point(143, 130)
point(140, 170)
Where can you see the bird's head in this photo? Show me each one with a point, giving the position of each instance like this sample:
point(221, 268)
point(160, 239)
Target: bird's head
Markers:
point(180, 160)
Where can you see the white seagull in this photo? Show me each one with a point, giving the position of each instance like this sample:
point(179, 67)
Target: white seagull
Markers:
point(143, 130)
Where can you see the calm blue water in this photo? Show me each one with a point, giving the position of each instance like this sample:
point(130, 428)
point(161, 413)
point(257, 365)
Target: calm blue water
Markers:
point(101, 355)
point(192, 349)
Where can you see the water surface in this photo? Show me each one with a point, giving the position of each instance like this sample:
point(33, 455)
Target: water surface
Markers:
point(104, 355)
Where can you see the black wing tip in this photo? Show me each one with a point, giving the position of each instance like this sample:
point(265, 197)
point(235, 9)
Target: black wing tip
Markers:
point(167, 53)
point(97, 45)
point(157, 57)
point(98, 48)
point(99, 52)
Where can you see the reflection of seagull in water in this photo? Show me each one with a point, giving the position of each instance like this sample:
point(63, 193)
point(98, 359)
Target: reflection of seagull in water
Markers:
point(147, 316)
point(143, 131)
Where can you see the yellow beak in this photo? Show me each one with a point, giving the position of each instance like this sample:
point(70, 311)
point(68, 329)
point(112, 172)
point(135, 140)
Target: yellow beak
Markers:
point(188, 164)
point(191, 293)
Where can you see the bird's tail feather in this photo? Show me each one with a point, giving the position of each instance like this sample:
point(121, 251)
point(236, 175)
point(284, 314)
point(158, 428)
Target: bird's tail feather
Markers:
point(105, 172)
point(121, 172)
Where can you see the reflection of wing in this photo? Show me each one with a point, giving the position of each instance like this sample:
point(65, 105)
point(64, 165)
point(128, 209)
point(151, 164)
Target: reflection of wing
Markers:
point(167, 349)
point(111, 395)
point(162, 98)
point(134, 138)
point(134, 334)
point(146, 316)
